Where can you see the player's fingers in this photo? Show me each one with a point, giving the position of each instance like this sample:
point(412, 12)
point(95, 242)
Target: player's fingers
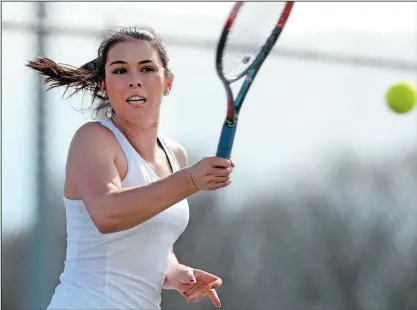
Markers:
point(208, 278)
point(211, 293)
point(217, 283)
point(197, 297)
point(214, 186)
point(214, 297)
point(210, 282)
point(182, 287)
point(214, 180)
point(195, 290)
point(222, 184)
point(220, 172)
point(220, 162)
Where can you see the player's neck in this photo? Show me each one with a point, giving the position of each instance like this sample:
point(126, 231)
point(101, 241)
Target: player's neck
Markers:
point(143, 139)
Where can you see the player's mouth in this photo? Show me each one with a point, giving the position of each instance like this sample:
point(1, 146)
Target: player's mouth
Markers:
point(136, 100)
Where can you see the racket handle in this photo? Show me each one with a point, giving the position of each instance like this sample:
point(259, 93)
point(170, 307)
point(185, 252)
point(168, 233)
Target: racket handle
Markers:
point(227, 137)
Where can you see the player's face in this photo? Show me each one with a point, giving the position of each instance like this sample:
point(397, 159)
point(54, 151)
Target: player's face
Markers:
point(135, 81)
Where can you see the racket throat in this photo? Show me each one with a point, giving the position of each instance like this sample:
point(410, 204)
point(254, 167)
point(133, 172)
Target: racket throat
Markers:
point(231, 118)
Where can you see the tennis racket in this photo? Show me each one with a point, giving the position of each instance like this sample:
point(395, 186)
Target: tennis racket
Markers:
point(250, 33)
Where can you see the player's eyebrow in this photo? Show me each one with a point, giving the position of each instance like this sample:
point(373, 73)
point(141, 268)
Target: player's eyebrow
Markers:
point(122, 62)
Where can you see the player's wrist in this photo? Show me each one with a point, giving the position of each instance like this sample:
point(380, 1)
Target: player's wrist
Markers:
point(188, 180)
point(191, 179)
point(169, 281)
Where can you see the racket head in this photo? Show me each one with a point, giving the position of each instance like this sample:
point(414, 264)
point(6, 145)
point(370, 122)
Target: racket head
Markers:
point(233, 60)
point(250, 32)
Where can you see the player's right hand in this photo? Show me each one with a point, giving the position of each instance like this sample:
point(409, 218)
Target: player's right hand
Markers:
point(211, 173)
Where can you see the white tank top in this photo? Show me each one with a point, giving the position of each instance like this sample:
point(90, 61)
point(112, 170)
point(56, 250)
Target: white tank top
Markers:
point(123, 270)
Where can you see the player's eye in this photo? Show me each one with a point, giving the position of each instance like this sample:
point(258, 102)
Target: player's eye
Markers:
point(148, 69)
point(119, 71)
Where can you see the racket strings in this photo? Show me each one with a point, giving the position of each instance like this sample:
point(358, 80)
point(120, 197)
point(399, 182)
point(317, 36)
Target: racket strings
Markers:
point(241, 57)
point(252, 27)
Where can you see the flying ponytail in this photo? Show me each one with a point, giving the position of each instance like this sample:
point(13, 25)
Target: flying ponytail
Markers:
point(85, 78)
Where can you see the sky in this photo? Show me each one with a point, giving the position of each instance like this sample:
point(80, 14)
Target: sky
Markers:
point(340, 110)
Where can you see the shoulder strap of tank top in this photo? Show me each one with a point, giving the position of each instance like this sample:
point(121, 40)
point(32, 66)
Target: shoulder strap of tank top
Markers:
point(127, 147)
point(170, 153)
point(124, 143)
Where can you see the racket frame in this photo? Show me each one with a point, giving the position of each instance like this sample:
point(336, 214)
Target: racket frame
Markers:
point(234, 105)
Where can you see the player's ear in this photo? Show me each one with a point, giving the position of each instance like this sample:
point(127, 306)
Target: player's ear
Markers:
point(103, 88)
point(169, 80)
point(102, 85)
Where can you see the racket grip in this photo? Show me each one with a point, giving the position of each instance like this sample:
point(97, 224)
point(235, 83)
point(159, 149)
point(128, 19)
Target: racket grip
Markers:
point(227, 137)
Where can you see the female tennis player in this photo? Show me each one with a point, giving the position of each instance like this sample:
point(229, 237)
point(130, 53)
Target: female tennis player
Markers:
point(126, 186)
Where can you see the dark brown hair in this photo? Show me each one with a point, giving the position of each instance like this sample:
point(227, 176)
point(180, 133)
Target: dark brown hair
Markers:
point(87, 78)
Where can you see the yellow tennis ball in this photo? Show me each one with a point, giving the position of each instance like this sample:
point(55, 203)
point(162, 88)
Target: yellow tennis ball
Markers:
point(401, 97)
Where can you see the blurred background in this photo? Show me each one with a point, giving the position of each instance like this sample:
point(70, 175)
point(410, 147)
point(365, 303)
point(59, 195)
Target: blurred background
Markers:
point(322, 213)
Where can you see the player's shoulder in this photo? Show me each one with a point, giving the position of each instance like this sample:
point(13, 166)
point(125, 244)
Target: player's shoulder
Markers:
point(92, 135)
point(179, 151)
